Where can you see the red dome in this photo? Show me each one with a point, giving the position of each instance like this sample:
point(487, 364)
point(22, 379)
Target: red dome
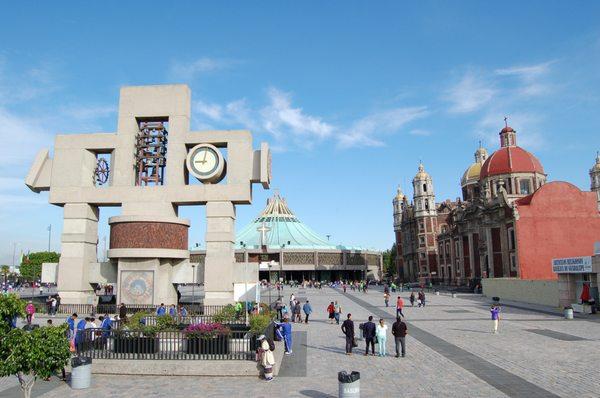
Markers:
point(511, 159)
point(507, 129)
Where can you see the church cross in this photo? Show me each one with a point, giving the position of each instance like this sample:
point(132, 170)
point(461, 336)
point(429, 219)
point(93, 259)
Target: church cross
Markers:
point(263, 229)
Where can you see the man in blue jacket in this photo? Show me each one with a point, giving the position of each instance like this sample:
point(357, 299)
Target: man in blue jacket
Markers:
point(369, 333)
point(307, 311)
point(162, 310)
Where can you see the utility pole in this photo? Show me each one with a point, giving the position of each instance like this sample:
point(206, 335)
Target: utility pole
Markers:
point(49, 235)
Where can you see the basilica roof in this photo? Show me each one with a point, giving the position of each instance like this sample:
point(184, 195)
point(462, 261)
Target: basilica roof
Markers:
point(282, 230)
point(471, 174)
point(511, 159)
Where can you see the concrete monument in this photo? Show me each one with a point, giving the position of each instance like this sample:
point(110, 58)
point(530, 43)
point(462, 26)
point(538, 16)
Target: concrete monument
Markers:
point(150, 167)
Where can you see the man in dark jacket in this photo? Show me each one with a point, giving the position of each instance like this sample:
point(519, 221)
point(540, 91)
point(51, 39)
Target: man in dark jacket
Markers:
point(369, 333)
point(399, 330)
point(348, 330)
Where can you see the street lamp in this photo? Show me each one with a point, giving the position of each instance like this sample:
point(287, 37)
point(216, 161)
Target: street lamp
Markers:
point(193, 283)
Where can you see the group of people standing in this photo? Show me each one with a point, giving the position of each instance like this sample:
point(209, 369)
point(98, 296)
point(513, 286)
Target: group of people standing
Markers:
point(376, 334)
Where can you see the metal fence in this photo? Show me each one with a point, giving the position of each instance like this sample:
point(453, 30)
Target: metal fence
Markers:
point(87, 309)
point(122, 344)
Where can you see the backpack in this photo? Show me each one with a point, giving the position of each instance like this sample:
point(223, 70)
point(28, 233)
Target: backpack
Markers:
point(271, 345)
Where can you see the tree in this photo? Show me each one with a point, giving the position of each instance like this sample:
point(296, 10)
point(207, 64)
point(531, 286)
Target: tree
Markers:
point(31, 266)
point(11, 306)
point(389, 261)
point(5, 269)
point(29, 355)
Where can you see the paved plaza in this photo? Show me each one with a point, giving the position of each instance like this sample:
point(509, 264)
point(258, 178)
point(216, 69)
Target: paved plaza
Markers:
point(450, 353)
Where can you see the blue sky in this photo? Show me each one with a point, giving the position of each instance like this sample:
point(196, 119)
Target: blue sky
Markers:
point(349, 94)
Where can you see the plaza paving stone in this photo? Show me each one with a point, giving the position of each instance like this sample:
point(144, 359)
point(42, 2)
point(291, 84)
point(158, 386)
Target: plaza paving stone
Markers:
point(450, 353)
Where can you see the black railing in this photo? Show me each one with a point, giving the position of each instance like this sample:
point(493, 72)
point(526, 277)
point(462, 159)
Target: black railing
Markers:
point(193, 319)
point(123, 344)
point(87, 309)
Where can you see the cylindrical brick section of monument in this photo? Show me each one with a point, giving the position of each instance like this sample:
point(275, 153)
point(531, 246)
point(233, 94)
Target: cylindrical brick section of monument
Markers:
point(136, 232)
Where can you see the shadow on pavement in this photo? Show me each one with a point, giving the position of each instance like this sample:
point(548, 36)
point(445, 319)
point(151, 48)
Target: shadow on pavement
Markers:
point(316, 394)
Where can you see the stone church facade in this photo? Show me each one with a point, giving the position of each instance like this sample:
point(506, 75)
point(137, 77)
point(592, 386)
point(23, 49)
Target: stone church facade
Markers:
point(484, 234)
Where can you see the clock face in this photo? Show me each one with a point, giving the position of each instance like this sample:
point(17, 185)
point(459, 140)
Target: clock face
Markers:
point(206, 163)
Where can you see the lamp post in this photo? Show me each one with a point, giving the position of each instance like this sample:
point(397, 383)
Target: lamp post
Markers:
point(193, 283)
point(49, 235)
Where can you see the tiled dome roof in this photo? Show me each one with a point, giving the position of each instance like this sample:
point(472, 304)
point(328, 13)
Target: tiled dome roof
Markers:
point(511, 159)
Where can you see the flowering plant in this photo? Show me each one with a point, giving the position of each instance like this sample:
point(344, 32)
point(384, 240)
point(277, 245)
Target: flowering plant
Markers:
point(207, 330)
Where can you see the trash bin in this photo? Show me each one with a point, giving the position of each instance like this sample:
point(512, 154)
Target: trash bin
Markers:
point(349, 384)
point(81, 372)
point(568, 313)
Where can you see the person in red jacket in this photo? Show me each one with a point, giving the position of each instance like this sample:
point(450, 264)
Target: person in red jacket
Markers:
point(399, 306)
point(331, 312)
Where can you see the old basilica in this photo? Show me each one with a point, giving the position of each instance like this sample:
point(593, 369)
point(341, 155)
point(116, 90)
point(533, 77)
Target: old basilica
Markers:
point(509, 223)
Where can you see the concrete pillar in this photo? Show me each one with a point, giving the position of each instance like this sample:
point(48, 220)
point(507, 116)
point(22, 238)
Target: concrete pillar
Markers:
point(490, 252)
point(78, 250)
point(471, 257)
point(220, 253)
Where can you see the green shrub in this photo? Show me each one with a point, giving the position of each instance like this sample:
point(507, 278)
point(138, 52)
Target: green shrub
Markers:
point(258, 323)
point(166, 323)
point(227, 314)
point(10, 306)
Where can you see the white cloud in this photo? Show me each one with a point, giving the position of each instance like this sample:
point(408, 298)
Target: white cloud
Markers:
point(290, 125)
point(471, 93)
point(212, 111)
point(188, 71)
point(366, 131)
point(280, 118)
point(531, 78)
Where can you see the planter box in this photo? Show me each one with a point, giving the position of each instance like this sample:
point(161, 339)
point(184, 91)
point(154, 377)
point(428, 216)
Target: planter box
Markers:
point(136, 345)
point(215, 346)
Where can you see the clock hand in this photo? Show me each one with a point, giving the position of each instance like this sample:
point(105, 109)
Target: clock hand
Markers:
point(205, 153)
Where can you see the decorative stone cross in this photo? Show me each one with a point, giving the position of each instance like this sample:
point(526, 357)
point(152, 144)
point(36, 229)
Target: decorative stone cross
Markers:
point(263, 229)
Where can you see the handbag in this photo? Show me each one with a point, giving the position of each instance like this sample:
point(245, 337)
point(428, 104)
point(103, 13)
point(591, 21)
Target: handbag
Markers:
point(354, 343)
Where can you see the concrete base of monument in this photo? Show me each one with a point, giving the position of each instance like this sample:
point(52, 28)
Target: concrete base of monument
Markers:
point(70, 297)
point(233, 368)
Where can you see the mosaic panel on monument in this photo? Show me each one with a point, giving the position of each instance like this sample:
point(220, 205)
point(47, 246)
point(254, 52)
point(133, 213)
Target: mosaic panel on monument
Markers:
point(355, 259)
point(331, 258)
point(298, 258)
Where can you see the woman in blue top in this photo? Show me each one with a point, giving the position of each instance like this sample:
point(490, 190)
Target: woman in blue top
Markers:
point(495, 311)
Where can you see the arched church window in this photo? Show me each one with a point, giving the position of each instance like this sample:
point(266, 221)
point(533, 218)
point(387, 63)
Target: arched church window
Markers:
point(525, 186)
point(424, 187)
point(426, 204)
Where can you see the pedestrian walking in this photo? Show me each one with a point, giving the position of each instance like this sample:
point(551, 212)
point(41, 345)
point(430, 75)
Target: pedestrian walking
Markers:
point(123, 312)
point(386, 299)
point(58, 298)
point(348, 330)
point(331, 312)
point(72, 322)
point(421, 299)
point(399, 330)
point(29, 312)
point(307, 308)
point(49, 305)
point(369, 329)
point(297, 312)
point(495, 311)
point(337, 313)
point(286, 333)
point(53, 306)
point(265, 357)
point(381, 334)
point(161, 310)
point(399, 306)
point(292, 300)
point(412, 299)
